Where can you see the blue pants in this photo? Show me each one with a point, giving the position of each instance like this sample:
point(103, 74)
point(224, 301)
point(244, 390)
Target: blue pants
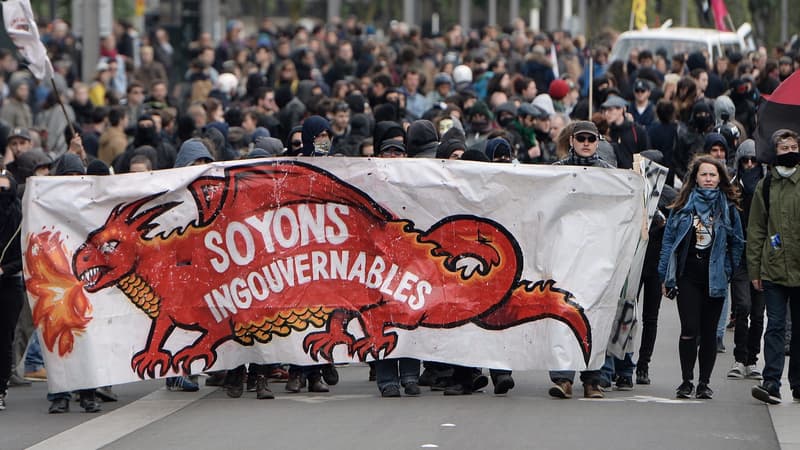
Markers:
point(33, 357)
point(396, 371)
point(614, 367)
point(776, 299)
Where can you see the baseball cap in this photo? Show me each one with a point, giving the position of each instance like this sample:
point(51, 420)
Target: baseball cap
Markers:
point(585, 126)
point(614, 101)
point(641, 85)
point(19, 133)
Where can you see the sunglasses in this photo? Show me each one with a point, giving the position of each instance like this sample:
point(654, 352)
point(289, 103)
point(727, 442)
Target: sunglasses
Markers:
point(585, 138)
point(639, 91)
point(750, 159)
point(297, 143)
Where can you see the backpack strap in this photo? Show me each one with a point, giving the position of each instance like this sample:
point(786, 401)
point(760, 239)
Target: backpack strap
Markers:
point(765, 191)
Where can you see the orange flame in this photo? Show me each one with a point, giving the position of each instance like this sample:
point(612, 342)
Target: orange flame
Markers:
point(60, 307)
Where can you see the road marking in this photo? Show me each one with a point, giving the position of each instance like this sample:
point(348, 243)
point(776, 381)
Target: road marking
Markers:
point(645, 399)
point(105, 429)
point(316, 399)
point(429, 446)
point(448, 425)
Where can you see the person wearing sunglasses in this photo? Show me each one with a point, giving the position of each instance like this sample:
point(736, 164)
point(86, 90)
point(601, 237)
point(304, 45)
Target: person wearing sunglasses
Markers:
point(583, 143)
point(748, 302)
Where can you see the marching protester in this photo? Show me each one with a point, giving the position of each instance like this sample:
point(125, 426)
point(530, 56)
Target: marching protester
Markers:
point(583, 143)
point(748, 302)
point(702, 245)
point(333, 91)
point(12, 290)
point(773, 260)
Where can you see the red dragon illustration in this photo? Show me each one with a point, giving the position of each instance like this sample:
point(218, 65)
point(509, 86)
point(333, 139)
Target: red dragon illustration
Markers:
point(466, 269)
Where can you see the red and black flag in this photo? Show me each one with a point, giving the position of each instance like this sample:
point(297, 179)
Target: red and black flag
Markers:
point(780, 110)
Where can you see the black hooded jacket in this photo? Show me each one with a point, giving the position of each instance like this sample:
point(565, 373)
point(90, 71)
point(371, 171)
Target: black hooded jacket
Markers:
point(10, 221)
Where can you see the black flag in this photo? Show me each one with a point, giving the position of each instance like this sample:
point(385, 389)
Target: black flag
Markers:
point(780, 110)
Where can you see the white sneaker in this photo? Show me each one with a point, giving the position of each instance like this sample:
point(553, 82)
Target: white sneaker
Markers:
point(2, 402)
point(737, 371)
point(752, 373)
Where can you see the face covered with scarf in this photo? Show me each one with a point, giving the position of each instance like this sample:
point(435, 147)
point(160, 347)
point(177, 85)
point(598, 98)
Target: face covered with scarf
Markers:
point(787, 157)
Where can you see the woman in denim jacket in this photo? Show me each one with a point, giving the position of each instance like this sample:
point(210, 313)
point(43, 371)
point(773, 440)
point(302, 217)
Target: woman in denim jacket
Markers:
point(703, 242)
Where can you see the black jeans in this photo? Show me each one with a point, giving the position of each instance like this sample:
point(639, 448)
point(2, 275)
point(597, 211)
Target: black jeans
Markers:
point(749, 306)
point(651, 304)
point(699, 315)
point(12, 294)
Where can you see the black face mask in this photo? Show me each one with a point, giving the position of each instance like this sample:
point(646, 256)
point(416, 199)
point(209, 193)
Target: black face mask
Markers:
point(505, 121)
point(480, 126)
point(750, 178)
point(788, 159)
point(701, 123)
point(146, 136)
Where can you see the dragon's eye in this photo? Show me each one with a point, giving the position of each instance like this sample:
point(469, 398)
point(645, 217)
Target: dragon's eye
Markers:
point(109, 247)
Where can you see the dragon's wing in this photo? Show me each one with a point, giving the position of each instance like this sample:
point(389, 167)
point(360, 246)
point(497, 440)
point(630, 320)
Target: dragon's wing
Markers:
point(277, 183)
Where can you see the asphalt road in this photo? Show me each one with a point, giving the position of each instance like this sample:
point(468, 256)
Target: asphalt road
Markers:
point(353, 416)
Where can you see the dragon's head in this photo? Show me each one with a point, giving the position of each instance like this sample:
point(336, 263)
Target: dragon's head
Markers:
point(111, 252)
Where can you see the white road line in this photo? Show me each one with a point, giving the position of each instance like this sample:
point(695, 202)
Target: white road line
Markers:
point(116, 424)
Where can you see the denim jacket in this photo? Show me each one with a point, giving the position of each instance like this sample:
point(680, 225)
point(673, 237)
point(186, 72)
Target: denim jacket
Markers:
point(726, 251)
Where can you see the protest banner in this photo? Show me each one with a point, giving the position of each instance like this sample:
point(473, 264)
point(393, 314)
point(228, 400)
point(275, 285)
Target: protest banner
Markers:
point(326, 259)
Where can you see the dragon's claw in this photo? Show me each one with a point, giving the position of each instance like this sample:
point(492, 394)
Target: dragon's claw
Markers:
point(182, 361)
point(372, 346)
point(146, 362)
point(322, 343)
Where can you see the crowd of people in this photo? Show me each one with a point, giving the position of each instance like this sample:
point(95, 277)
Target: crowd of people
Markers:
point(492, 95)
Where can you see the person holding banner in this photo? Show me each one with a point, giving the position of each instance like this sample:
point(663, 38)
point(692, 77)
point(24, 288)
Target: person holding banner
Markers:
point(583, 142)
point(703, 242)
point(12, 290)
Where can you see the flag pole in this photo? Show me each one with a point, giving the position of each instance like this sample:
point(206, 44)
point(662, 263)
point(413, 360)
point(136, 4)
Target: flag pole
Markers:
point(63, 108)
point(591, 85)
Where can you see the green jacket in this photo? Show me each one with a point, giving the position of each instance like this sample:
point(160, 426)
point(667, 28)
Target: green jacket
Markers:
point(778, 264)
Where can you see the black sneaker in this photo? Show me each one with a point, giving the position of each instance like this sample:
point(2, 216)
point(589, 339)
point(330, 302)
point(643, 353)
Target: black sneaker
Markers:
point(442, 383)
point(704, 392)
point(216, 378)
point(412, 389)
point(503, 384)
point(390, 391)
point(16, 381)
point(642, 376)
point(796, 394)
point(685, 390)
point(89, 403)
point(428, 377)
point(479, 382)
point(770, 397)
point(330, 375)
point(624, 383)
point(59, 406)
point(458, 389)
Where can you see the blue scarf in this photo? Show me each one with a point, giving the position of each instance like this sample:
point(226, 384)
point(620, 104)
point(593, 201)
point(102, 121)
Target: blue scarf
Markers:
point(709, 204)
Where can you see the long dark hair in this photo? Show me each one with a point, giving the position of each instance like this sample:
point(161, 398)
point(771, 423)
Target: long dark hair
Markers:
point(730, 191)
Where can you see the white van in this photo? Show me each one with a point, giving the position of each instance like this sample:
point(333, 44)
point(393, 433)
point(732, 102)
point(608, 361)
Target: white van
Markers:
point(684, 40)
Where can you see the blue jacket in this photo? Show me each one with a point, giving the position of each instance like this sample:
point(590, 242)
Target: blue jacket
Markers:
point(726, 251)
